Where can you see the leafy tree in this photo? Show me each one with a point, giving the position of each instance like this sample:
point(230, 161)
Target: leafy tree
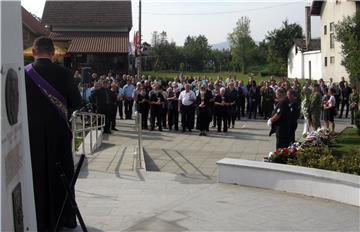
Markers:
point(241, 43)
point(196, 52)
point(280, 41)
point(348, 33)
point(164, 55)
point(221, 59)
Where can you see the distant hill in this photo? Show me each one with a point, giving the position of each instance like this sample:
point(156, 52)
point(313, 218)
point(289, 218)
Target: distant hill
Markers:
point(221, 46)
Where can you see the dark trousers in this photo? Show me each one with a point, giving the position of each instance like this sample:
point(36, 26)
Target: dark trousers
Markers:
point(120, 108)
point(214, 117)
point(144, 111)
point(128, 103)
point(258, 102)
point(107, 114)
point(113, 112)
point(173, 119)
point(293, 128)
point(343, 104)
point(164, 117)
point(231, 112)
point(203, 119)
point(252, 108)
point(268, 107)
point(222, 118)
point(155, 113)
point(145, 116)
point(187, 116)
point(240, 108)
point(282, 137)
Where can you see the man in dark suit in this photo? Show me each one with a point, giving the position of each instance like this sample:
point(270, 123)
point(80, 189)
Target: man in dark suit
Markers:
point(50, 135)
point(101, 98)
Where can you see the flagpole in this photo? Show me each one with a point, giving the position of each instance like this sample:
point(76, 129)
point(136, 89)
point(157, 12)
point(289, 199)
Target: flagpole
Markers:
point(139, 43)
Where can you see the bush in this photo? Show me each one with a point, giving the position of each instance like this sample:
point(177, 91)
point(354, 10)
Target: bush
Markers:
point(322, 158)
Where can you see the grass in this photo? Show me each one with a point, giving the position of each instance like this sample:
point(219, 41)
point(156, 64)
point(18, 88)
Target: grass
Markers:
point(347, 142)
point(77, 143)
point(170, 75)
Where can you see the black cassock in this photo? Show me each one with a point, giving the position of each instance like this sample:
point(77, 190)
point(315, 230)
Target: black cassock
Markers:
point(50, 142)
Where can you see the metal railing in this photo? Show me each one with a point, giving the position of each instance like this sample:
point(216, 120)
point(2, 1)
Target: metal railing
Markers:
point(83, 124)
point(138, 127)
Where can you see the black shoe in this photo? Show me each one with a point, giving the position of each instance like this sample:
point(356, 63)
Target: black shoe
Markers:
point(176, 128)
point(71, 224)
point(183, 130)
point(201, 134)
point(233, 126)
point(114, 129)
point(189, 130)
point(151, 129)
point(160, 129)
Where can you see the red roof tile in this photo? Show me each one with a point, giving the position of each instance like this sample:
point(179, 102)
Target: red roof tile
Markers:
point(32, 23)
point(94, 42)
point(88, 13)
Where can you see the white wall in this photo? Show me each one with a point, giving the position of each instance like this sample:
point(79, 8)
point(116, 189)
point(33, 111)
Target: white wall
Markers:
point(335, 186)
point(315, 58)
point(298, 64)
point(333, 11)
point(295, 63)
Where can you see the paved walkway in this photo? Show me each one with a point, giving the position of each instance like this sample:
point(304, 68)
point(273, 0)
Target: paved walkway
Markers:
point(188, 153)
point(114, 196)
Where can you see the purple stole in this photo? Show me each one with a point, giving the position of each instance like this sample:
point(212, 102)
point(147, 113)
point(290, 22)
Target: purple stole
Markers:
point(54, 97)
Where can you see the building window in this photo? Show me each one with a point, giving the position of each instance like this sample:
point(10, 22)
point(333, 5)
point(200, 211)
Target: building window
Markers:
point(325, 29)
point(325, 62)
point(332, 59)
point(332, 40)
point(332, 27)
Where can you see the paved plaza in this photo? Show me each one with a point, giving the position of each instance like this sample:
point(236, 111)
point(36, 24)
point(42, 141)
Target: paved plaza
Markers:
point(180, 192)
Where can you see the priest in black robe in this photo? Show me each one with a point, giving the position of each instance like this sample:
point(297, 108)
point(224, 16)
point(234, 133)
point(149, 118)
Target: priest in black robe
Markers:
point(50, 137)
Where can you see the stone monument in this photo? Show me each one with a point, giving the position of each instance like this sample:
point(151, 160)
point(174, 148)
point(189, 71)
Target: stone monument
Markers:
point(17, 211)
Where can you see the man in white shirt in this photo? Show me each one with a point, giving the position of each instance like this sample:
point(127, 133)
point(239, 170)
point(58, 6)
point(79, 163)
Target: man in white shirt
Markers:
point(187, 99)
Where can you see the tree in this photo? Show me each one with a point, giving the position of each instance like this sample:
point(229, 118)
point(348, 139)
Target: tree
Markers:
point(196, 52)
point(164, 54)
point(280, 41)
point(241, 44)
point(348, 33)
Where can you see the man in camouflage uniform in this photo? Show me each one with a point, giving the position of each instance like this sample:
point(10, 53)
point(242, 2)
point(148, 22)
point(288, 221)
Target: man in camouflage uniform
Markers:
point(268, 98)
point(305, 106)
point(354, 104)
point(315, 107)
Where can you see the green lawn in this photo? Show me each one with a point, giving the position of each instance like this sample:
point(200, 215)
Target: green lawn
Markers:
point(211, 75)
point(347, 142)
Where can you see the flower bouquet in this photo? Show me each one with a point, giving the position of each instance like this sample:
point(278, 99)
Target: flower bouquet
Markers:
point(282, 155)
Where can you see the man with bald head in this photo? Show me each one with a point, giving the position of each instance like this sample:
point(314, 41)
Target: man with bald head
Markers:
point(280, 120)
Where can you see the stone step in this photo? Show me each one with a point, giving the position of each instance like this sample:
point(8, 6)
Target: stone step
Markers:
point(112, 160)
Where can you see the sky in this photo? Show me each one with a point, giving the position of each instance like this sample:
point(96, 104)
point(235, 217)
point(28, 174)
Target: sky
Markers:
point(213, 18)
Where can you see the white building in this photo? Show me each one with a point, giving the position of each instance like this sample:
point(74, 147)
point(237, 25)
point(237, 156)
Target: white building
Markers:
point(332, 12)
point(304, 58)
point(305, 63)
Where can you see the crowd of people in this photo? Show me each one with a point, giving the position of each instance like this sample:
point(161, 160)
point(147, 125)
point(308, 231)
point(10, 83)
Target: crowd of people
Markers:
point(203, 103)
